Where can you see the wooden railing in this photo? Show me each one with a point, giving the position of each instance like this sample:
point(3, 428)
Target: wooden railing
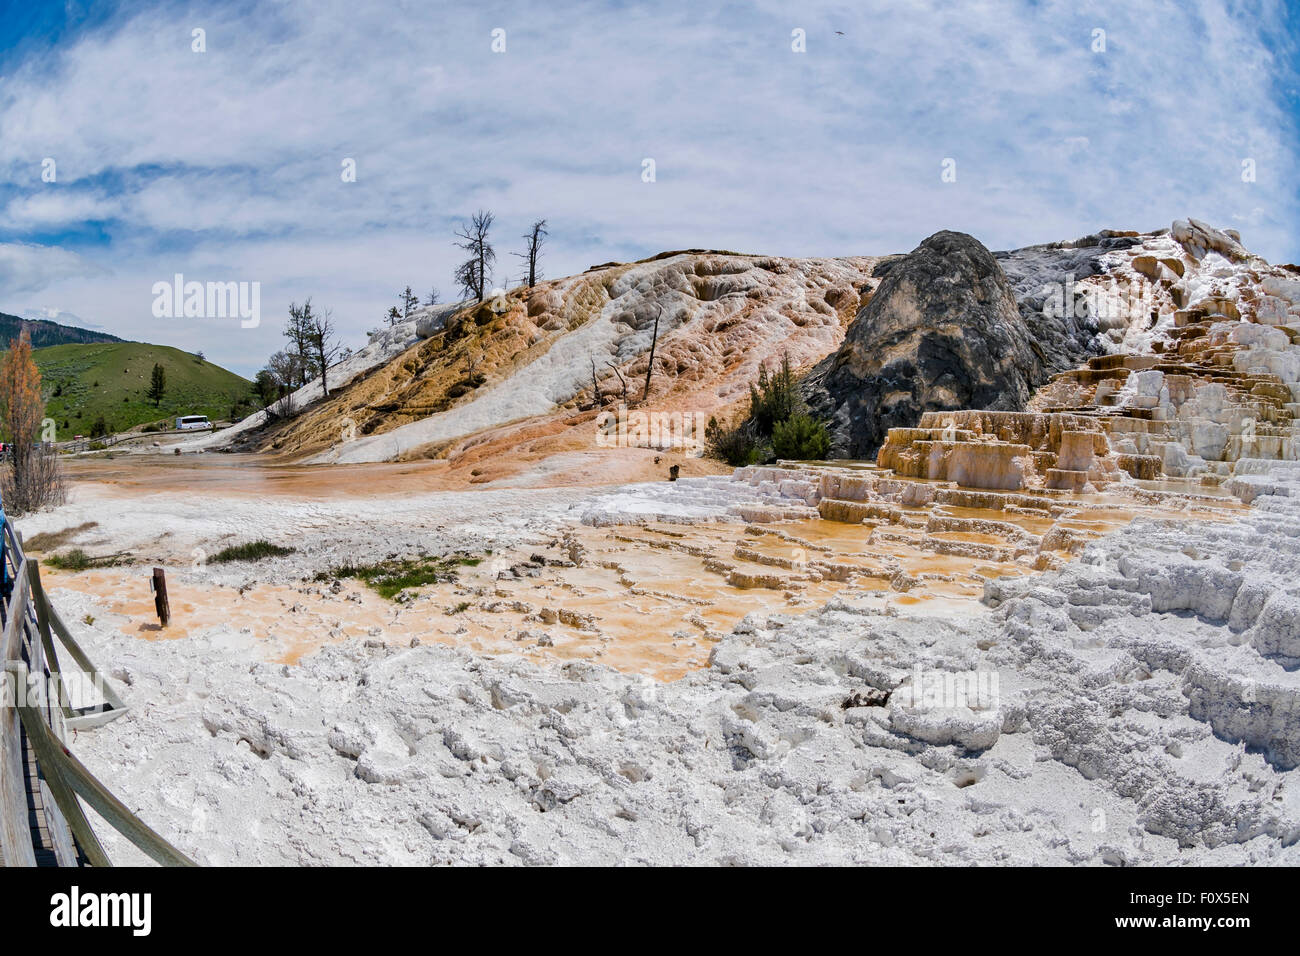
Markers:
point(83, 444)
point(73, 445)
point(41, 782)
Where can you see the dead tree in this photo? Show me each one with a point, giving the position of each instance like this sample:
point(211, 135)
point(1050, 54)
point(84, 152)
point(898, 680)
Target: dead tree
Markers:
point(472, 374)
point(324, 345)
point(533, 240)
point(595, 385)
point(472, 274)
point(286, 406)
point(650, 366)
point(298, 331)
point(621, 380)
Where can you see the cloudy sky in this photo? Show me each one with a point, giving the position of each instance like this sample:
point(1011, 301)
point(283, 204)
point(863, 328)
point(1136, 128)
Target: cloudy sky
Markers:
point(225, 164)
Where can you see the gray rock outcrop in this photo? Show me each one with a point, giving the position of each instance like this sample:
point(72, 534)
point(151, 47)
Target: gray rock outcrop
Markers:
point(942, 331)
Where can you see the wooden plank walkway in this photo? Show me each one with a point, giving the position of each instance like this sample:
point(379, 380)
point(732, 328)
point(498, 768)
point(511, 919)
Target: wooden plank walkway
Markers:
point(42, 784)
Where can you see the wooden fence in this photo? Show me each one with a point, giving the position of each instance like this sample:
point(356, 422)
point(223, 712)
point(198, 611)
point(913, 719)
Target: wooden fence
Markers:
point(42, 784)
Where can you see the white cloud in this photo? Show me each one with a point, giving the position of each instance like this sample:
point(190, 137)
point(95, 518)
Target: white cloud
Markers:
point(55, 207)
point(833, 151)
point(28, 268)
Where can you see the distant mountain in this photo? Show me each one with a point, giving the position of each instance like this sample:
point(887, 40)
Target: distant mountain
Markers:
point(44, 332)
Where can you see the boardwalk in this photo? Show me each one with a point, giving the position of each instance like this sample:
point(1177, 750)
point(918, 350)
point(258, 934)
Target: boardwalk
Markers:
point(42, 784)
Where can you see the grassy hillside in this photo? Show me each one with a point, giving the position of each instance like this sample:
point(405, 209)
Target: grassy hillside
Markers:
point(44, 333)
point(82, 382)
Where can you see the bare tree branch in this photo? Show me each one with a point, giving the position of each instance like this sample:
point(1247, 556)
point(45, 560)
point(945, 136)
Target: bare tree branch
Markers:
point(533, 240)
point(473, 275)
point(622, 381)
point(650, 366)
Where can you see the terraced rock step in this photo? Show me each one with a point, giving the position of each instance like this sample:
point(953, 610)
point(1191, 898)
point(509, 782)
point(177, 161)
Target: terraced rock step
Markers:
point(1212, 377)
point(1029, 529)
point(1137, 706)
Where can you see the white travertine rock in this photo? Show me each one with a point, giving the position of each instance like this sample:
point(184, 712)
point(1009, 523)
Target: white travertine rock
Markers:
point(1216, 381)
point(1199, 239)
point(1154, 679)
point(962, 727)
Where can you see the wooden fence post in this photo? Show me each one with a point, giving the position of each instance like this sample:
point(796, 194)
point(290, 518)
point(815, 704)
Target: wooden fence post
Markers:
point(159, 587)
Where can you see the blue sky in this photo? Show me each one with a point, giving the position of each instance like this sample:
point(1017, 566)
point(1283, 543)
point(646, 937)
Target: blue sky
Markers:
point(224, 165)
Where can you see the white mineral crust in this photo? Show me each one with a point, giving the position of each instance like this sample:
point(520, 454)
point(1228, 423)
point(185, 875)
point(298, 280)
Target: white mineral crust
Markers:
point(1147, 711)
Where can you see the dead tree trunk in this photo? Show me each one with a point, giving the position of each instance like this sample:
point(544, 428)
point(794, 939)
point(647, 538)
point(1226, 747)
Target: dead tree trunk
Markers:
point(621, 380)
point(650, 366)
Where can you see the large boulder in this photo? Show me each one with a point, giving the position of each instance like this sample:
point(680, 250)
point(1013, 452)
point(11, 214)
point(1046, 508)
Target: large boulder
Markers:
point(942, 331)
point(1200, 239)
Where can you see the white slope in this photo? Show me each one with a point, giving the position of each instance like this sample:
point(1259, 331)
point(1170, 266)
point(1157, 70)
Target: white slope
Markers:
point(784, 309)
point(384, 346)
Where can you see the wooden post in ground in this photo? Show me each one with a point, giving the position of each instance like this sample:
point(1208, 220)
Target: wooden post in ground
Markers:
point(159, 587)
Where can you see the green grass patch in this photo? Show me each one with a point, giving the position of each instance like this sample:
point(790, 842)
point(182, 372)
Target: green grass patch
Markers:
point(77, 560)
point(252, 551)
point(391, 577)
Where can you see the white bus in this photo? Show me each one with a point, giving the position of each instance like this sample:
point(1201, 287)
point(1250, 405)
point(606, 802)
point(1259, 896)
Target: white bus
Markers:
point(192, 423)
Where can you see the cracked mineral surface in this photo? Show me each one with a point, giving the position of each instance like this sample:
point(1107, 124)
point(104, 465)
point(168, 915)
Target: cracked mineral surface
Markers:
point(1135, 705)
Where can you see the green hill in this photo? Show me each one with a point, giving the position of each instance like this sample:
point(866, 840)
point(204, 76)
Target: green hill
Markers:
point(45, 333)
point(82, 382)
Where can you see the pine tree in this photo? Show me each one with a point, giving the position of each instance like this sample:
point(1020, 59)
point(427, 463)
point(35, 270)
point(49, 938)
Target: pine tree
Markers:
point(157, 385)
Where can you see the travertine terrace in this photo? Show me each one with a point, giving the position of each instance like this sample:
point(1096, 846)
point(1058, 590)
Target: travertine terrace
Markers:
point(738, 667)
point(1217, 379)
point(1141, 707)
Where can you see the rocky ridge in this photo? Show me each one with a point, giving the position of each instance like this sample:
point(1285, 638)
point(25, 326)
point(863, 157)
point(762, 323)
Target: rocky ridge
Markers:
point(1211, 376)
point(488, 387)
